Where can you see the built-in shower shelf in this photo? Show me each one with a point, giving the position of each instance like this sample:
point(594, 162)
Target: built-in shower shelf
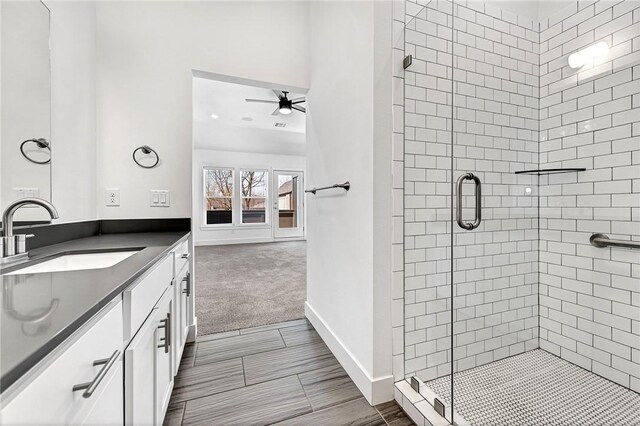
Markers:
point(550, 171)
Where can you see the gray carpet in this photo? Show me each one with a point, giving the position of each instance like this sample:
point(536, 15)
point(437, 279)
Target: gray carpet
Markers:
point(246, 285)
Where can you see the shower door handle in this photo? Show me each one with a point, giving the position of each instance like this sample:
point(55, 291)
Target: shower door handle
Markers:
point(469, 225)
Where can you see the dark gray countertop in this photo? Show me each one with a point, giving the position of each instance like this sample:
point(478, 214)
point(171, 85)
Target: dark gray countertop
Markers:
point(39, 311)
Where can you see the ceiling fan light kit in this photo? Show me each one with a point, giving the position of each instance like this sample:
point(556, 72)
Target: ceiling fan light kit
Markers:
point(285, 105)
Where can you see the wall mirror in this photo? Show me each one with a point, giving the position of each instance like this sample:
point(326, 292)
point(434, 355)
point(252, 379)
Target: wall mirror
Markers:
point(25, 103)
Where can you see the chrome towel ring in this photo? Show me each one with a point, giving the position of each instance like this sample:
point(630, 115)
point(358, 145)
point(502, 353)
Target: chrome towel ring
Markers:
point(146, 149)
point(42, 144)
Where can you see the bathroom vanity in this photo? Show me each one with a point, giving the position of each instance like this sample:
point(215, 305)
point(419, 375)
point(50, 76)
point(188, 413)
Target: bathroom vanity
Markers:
point(95, 322)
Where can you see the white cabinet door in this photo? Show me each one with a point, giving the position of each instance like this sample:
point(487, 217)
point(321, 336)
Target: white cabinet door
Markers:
point(176, 349)
point(185, 295)
point(164, 353)
point(182, 290)
point(140, 374)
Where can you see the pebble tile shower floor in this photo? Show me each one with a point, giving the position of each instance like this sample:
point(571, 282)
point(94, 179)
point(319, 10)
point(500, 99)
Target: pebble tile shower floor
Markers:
point(538, 388)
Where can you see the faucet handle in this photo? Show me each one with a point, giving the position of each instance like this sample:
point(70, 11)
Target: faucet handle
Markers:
point(21, 242)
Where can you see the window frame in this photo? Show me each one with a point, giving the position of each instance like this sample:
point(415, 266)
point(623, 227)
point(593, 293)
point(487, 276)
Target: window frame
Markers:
point(204, 196)
point(267, 183)
point(236, 199)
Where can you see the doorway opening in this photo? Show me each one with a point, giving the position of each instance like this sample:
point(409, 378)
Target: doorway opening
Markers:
point(248, 203)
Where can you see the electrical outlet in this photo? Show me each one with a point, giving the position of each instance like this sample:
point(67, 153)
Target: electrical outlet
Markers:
point(112, 197)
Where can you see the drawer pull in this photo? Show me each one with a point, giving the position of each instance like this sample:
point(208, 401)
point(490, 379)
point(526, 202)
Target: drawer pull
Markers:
point(186, 255)
point(91, 386)
point(187, 279)
point(166, 324)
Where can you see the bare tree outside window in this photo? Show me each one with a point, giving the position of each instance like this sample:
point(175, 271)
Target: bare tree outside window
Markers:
point(218, 192)
point(253, 189)
point(219, 196)
point(254, 196)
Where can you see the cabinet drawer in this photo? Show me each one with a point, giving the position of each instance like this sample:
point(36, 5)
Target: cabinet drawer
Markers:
point(181, 257)
point(46, 395)
point(140, 298)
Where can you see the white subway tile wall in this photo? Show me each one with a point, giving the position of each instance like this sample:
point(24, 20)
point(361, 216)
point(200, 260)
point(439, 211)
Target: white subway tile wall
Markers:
point(495, 75)
point(527, 277)
point(590, 117)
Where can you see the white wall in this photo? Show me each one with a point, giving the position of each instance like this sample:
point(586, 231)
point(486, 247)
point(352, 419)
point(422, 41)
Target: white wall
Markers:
point(73, 109)
point(348, 281)
point(234, 234)
point(25, 103)
point(244, 139)
point(146, 54)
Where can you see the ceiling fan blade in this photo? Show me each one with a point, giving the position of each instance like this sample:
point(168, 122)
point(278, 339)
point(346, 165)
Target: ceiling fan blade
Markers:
point(261, 101)
point(276, 111)
point(298, 100)
point(299, 108)
point(278, 93)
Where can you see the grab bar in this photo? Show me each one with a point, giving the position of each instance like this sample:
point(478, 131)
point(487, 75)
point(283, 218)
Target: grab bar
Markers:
point(346, 186)
point(602, 240)
point(468, 225)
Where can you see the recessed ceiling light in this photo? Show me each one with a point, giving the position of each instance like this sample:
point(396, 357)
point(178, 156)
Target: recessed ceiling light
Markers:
point(214, 116)
point(247, 118)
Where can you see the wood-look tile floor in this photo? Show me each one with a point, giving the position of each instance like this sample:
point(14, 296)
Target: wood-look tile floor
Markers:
point(276, 374)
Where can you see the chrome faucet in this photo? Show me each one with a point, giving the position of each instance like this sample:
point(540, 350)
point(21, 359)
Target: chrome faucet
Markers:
point(15, 245)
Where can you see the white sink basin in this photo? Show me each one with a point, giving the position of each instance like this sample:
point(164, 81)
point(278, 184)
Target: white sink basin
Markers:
point(77, 262)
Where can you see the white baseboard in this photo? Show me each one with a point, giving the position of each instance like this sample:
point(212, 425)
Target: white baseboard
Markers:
point(376, 390)
point(193, 331)
point(246, 241)
point(220, 242)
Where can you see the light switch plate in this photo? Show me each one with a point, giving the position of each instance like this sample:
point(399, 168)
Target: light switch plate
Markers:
point(112, 197)
point(27, 193)
point(160, 198)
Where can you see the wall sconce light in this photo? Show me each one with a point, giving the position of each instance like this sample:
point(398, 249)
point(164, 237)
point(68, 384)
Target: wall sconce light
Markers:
point(584, 56)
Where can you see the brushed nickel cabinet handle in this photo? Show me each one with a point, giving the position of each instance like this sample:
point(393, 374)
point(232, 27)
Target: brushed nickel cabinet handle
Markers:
point(91, 386)
point(166, 324)
point(187, 279)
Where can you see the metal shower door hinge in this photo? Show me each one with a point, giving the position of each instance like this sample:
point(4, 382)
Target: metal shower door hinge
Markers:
point(408, 60)
point(415, 384)
point(438, 406)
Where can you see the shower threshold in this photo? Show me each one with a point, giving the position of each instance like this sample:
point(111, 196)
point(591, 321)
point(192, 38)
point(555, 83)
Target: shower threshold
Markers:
point(537, 388)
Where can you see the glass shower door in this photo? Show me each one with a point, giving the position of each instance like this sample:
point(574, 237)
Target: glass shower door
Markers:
point(428, 151)
point(495, 225)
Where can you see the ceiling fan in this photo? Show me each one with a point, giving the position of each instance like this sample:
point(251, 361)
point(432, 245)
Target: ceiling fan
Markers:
point(285, 105)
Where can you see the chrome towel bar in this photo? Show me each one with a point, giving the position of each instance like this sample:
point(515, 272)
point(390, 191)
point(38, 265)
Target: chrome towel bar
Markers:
point(346, 186)
point(602, 240)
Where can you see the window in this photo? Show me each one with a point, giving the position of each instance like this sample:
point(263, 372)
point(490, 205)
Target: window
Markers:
point(254, 184)
point(234, 196)
point(218, 192)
